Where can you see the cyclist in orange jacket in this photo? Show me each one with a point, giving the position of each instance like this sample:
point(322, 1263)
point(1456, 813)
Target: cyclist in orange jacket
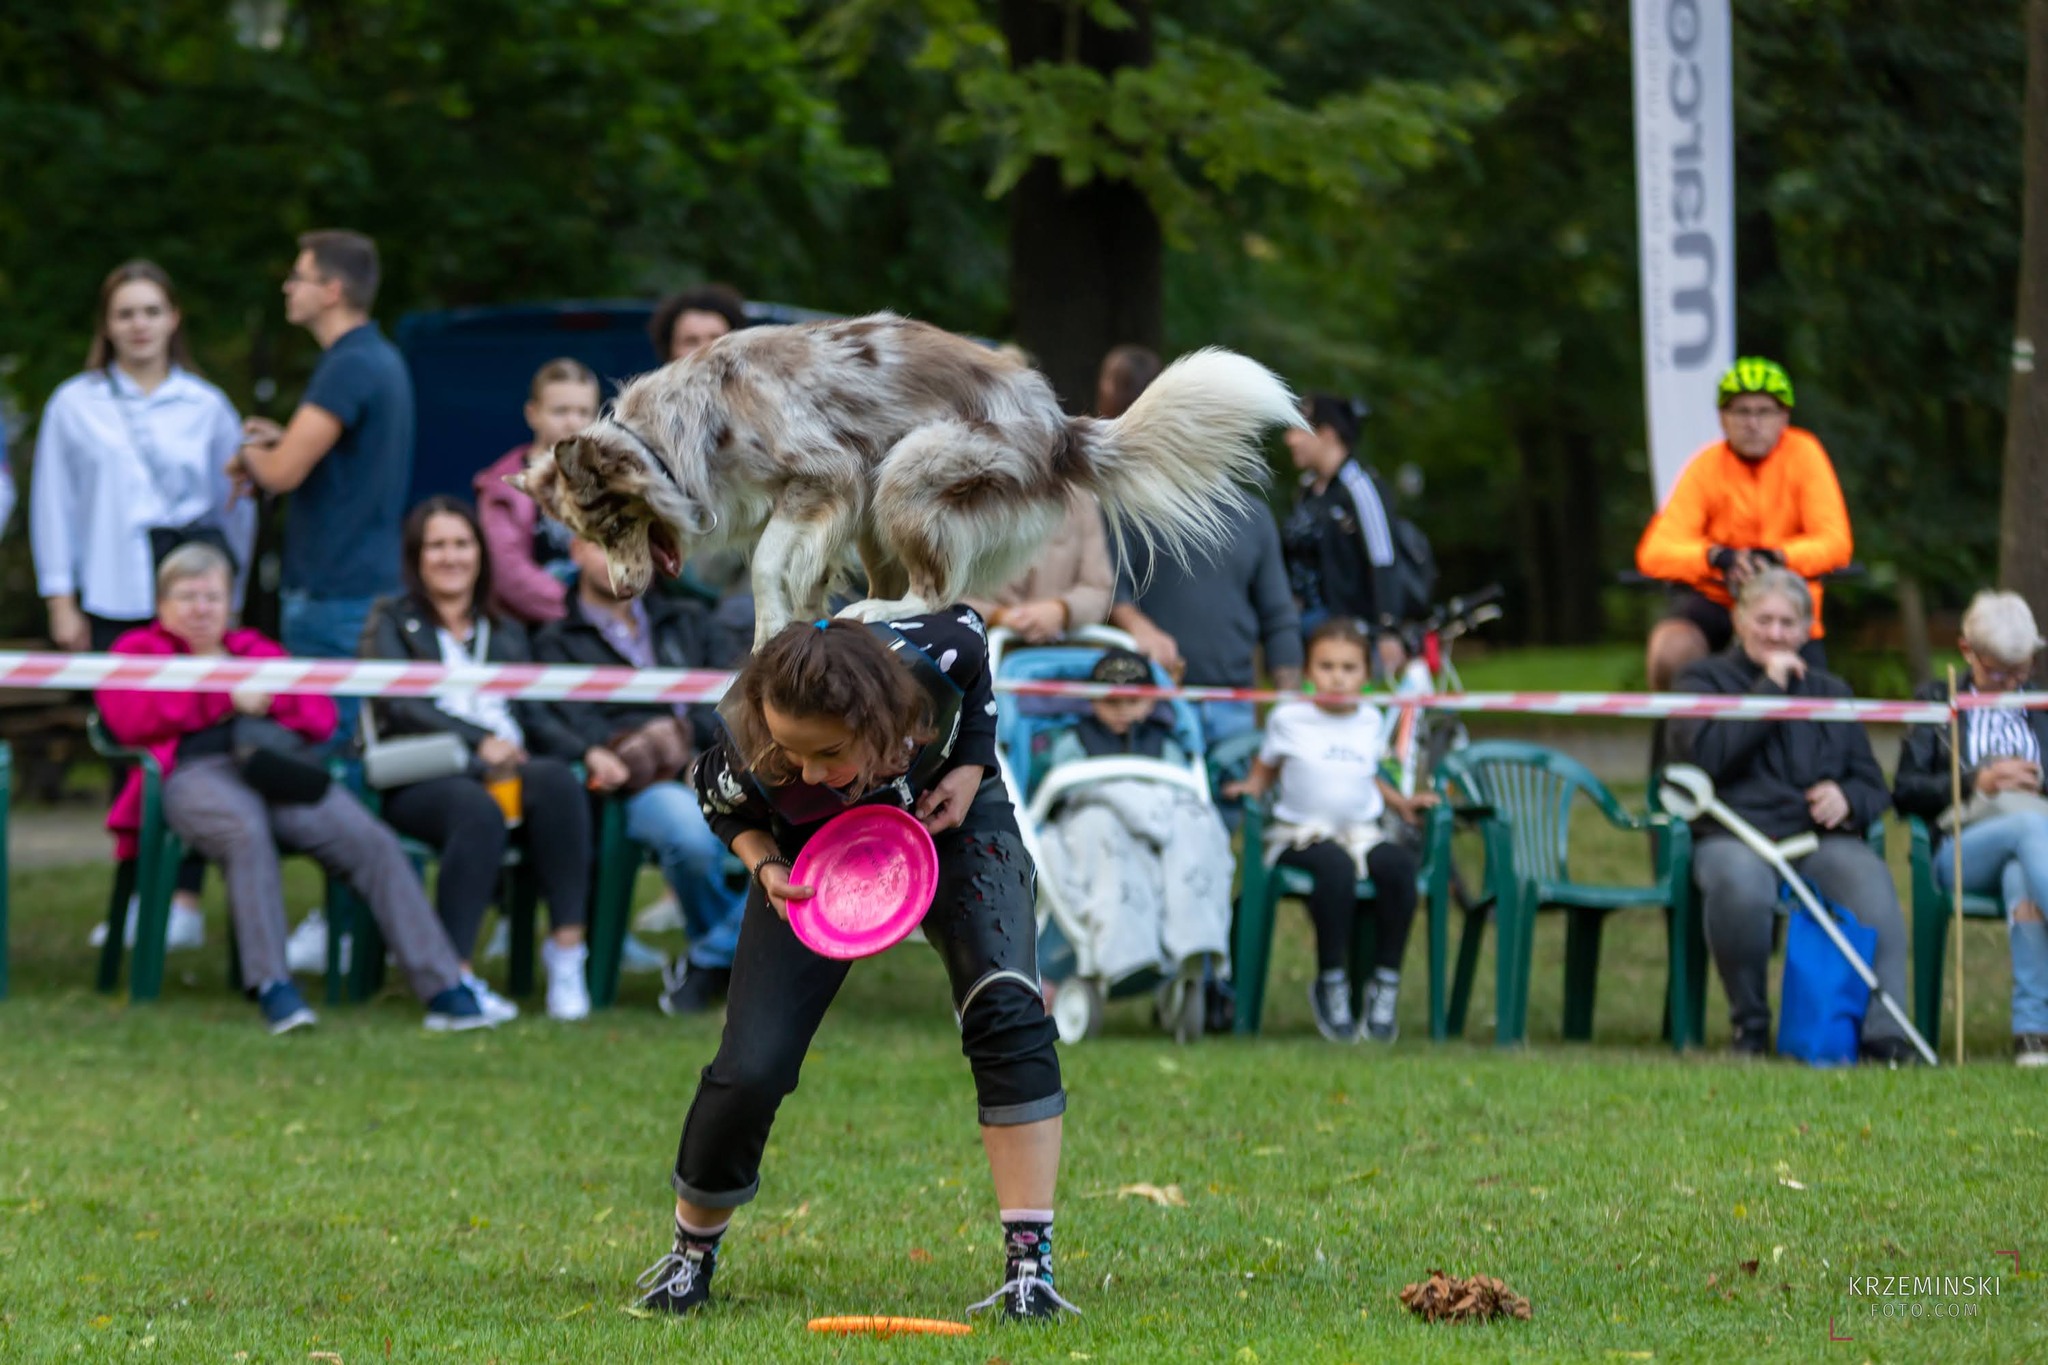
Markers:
point(1766, 494)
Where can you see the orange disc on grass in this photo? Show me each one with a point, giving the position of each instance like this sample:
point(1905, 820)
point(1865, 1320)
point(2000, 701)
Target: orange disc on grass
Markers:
point(890, 1327)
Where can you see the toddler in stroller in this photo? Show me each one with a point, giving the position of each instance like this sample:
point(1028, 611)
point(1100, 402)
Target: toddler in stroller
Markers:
point(1135, 863)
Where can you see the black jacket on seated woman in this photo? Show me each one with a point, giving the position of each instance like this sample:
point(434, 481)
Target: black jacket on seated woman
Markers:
point(1786, 778)
point(1763, 769)
point(440, 618)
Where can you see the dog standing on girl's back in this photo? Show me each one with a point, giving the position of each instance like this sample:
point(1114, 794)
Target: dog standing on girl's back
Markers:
point(943, 463)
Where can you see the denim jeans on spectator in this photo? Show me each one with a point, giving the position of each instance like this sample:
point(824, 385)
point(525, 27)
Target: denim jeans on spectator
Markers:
point(666, 818)
point(326, 628)
point(1223, 720)
point(2007, 856)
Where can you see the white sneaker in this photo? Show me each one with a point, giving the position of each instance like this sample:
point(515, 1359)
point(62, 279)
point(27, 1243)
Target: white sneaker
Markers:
point(306, 950)
point(98, 937)
point(499, 946)
point(568, 992)
point(186, 930)
point(638, 958)
point(496, 1007)
point(660, 916)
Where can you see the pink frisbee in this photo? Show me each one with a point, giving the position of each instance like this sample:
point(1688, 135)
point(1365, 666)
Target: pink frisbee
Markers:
point(872, 872)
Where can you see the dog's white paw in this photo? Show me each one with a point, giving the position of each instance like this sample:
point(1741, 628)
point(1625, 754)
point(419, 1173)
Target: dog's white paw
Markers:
point(875, 609)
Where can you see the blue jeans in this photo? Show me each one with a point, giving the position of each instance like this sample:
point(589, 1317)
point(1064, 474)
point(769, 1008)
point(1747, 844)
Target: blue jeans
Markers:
point(666, 818)
point(1223, 720)
point(2008, 856)
point(326, 628)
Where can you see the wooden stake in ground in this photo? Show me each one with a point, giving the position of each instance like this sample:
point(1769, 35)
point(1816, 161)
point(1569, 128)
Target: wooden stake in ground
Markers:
point(1955, 783)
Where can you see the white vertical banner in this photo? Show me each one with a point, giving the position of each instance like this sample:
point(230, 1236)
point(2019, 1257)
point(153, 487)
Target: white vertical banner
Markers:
point(1685, 214)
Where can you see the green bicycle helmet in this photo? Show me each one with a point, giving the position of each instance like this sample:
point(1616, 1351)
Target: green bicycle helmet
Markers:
point(1754, 374)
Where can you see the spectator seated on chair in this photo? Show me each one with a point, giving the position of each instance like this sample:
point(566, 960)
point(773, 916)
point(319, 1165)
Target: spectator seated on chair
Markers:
point(1786, 778)
point(641, 752)
point(1146, 865)
point(238, 783)
point(1321, 759)
point(518, 748)
point(2005, 813)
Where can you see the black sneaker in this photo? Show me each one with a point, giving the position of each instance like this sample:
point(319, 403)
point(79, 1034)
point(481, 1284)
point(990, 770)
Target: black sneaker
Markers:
point(284, 1009)
point(679, 1282)
point(1219, 1006)
point(1027, 1293)
point(2030, 1049)
point(1380, 998)
point(1329, 998)
point(692, 990)
point(1751, 1042)
point(457, 1010)
point(1891, 1052)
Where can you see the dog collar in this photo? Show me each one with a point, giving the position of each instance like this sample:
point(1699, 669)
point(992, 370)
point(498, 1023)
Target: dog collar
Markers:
point(647, 449)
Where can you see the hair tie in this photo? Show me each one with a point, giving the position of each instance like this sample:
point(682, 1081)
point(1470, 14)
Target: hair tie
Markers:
point(822, 622)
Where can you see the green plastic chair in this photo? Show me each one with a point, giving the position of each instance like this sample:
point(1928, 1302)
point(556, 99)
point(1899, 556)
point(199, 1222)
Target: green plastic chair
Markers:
point(1531, 794)
point(1932, 912)
point(619, 859)
point(6, 800)
point(518, 900)
point(151, 876)
point(1261, 889)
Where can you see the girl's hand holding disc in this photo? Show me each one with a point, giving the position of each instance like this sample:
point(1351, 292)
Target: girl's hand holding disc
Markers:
point(775, 882)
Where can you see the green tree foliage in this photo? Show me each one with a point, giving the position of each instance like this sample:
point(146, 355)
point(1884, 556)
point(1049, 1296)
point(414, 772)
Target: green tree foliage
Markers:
point(1428, 206)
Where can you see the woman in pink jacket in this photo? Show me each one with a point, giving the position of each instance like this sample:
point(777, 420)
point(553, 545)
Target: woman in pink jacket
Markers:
point(240, 780)
point(530, 553)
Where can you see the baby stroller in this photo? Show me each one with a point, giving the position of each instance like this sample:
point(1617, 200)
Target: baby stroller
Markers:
point(1075, 984)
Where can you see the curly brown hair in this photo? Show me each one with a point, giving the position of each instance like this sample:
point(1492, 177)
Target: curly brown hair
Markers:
point(838, 669)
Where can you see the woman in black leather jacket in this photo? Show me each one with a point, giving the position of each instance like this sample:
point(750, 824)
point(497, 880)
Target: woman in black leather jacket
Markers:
point(519, 754)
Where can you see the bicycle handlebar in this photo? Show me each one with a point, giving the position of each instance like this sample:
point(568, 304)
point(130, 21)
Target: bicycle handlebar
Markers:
point(1636, 578)
point(1454, 617)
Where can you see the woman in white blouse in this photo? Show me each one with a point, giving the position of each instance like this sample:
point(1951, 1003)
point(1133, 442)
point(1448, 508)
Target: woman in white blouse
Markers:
point(138, 442)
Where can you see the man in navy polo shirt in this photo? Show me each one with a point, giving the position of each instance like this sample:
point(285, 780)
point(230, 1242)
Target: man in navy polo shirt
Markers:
point(346, 454)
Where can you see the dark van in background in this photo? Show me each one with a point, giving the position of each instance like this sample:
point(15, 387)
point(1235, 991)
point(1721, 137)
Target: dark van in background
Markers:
point(471, 367)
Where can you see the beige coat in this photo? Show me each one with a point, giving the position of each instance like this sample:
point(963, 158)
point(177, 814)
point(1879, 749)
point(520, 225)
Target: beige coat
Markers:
point(1072, 566)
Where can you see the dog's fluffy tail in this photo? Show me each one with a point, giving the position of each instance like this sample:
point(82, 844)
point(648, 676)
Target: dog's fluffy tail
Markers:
point(1172, 467)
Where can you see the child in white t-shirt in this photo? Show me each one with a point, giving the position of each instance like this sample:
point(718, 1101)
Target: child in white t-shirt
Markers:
point(1321, 759)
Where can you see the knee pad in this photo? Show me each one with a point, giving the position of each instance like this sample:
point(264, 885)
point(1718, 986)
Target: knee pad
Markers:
point(1009, 1039)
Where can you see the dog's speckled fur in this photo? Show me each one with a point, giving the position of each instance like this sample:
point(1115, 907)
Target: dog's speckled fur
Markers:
point(944, 463)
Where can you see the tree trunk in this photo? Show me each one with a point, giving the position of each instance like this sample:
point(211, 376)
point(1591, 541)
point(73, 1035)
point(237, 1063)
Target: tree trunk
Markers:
point(2023, 548)
point(1563, 571)
point(1913, 624)
point(1085, 264)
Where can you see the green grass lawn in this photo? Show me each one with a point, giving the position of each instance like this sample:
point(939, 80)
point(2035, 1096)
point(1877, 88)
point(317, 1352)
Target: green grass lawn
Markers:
point(177, 1185)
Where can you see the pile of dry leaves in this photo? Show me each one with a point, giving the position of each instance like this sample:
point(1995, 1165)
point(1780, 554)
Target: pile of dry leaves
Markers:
point(1450, 1298)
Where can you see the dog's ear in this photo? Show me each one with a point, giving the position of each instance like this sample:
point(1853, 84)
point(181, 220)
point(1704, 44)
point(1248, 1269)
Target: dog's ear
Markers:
point(540, 481)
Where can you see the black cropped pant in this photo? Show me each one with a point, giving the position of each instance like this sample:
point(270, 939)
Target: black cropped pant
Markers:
point(459, 817)
point(983, 926)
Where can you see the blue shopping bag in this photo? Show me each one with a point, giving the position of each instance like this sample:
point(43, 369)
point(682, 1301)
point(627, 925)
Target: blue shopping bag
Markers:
point(1820, 1018)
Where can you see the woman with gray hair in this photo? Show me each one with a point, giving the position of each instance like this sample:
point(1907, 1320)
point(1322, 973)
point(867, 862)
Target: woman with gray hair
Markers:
point(237, 786)
point(1787, 778)
point(2005, 815)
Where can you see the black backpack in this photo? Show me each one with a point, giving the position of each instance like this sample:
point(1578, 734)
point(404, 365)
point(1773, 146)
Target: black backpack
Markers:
point(1412, 590)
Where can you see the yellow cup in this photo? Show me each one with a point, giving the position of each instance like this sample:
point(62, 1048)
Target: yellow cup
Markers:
point(506, 792)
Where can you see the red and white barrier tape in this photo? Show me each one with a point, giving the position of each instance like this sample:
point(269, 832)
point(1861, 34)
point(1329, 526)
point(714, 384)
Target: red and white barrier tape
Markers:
point(564, 682)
